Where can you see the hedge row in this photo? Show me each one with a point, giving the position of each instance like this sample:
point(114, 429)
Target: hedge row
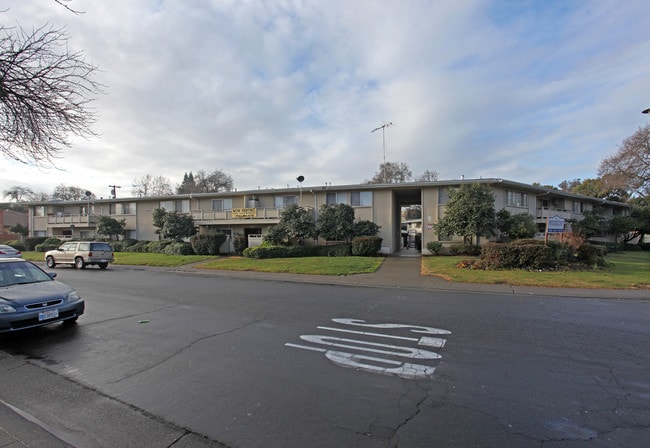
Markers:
point(363, 246)
point(534, 254)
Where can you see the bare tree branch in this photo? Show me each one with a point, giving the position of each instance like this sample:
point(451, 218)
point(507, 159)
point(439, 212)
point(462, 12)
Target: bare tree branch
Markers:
point(45, 91)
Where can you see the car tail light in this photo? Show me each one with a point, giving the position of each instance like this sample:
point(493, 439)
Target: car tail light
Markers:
point(90, 254)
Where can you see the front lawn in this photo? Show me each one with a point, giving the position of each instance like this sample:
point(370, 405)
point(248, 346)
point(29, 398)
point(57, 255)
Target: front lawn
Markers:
point(625, 270)
point(302, 265)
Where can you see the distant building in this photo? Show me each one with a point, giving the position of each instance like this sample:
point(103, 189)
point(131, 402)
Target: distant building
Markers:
point(8, 219)
point(251, 213)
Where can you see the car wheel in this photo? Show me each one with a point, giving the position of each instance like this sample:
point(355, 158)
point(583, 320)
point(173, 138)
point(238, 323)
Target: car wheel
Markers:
point(79, 263)
point(102, 265)
point(49, 261)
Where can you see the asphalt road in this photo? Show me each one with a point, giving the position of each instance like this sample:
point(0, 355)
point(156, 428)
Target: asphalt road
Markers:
point(174, 359)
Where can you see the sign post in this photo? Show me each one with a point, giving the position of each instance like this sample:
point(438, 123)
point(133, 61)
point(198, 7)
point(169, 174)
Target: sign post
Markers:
point(554, 224)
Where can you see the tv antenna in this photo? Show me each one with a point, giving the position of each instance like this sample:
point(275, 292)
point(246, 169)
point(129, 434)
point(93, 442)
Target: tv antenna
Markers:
point(383, 141)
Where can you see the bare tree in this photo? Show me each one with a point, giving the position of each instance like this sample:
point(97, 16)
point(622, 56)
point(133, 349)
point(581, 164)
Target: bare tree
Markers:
point(45, 91)
point(151, 186)
point(20, 194)
point(203, 182)
point(69, 193)
point(428, 176)
point(629, 168)
point(392, 173)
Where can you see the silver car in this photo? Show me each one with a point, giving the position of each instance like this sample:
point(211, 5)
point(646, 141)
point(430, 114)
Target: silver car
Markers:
point(9, 252)
point(30, 297)
point(80, 254)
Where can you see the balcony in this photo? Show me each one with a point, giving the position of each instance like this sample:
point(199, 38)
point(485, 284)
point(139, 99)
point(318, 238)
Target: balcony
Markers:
point(65, 219)
point(544, 212)
point(236, 215)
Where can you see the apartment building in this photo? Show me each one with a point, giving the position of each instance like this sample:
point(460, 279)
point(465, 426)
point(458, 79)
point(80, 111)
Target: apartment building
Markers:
point(251, 213)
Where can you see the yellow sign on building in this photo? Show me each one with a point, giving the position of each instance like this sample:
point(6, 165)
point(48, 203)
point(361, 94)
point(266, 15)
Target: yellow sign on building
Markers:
point(244, 213)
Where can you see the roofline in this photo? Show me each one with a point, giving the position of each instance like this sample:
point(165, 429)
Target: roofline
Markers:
point(328, 187)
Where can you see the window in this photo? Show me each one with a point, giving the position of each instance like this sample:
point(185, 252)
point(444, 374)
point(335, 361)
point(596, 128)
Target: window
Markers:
point(130, 234)
point(284, 201)
point(517, 199)
point(219, 205)
point(128, 208)
point(443, 195)
point(181, 206)
point(336, 198)
point(361, 198)
point(39, 211)
point(578, 207)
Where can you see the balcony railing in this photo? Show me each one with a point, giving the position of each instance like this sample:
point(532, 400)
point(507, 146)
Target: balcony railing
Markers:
point(544, 212)
point(66, 218)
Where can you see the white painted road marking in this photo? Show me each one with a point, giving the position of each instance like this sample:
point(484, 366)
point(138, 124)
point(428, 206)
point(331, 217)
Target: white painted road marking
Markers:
point(373, 364)
point(405, 352)
point(414, 328)
point(424, 340)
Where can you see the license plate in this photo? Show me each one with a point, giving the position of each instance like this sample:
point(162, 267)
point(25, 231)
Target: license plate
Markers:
point(103, 260)
point(50, 314)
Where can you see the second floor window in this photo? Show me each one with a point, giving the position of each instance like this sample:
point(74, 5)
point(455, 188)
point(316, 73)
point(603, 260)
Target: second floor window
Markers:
point(336, 198)
point(361, 198)
point(517, 199)
point(284, 201)
point(219, 205)
point(181, 206)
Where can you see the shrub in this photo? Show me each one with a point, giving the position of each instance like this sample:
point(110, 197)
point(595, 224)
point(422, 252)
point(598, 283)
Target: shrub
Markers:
point(365, 228)
point(590, 254)
point(239, 243)
point(366, 246)
point(178, 249)
point(279, 251)
point(48, 244)
point(140, 246)
point(435, 247)
point(336, 250)
point(158, 247)
point(208, 244)
point(31, 242)
point(464, 249)
point(122, 245)
point(16, 244)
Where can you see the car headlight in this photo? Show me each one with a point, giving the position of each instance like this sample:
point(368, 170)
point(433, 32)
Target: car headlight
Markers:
point(5, 308)
point(73, 296)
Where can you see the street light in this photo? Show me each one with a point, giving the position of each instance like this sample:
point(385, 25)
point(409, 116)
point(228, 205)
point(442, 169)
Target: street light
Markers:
point(300, 179)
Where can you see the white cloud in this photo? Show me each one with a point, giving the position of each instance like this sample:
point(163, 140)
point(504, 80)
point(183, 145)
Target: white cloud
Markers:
point(534, 92)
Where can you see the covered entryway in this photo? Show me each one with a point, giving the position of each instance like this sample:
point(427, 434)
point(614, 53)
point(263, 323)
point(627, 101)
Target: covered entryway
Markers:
point(402, 199)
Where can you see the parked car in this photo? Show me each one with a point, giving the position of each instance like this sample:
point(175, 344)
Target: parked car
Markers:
point(9, 252)
point(80, 254)
point(30, 297)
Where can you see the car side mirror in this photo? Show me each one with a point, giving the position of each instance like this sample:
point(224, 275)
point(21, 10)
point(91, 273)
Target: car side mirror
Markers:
point(52, 275)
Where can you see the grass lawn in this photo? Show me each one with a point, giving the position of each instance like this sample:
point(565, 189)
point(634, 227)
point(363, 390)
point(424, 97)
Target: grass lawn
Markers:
point(626, 270)
point(303, 265)
point(139, 259)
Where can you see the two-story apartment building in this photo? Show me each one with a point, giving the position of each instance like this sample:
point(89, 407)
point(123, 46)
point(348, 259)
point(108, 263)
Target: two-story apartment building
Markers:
point(251, 213)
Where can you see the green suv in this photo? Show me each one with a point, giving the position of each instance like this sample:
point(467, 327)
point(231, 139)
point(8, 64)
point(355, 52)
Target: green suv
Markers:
point(80, 254)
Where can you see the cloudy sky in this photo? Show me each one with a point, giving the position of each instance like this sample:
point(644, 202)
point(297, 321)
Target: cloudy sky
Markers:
point(527, 90)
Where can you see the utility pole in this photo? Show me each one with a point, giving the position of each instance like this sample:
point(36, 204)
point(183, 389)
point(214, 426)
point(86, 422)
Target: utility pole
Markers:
point(383, 140)
point(113, 190)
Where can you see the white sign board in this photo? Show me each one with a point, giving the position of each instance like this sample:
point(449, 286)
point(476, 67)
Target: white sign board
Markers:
point(555, 224)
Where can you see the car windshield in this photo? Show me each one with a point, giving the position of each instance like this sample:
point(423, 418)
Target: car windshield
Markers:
point(20, 273)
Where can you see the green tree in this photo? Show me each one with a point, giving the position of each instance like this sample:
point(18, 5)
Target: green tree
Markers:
point(19, 229)
point(592, 224)
point(177, 226)
point(365, 228)
point(517, 226)
point(110, 227)
point(335, 222)
point(296, 223)
point(159, 217)
point(469, 212)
